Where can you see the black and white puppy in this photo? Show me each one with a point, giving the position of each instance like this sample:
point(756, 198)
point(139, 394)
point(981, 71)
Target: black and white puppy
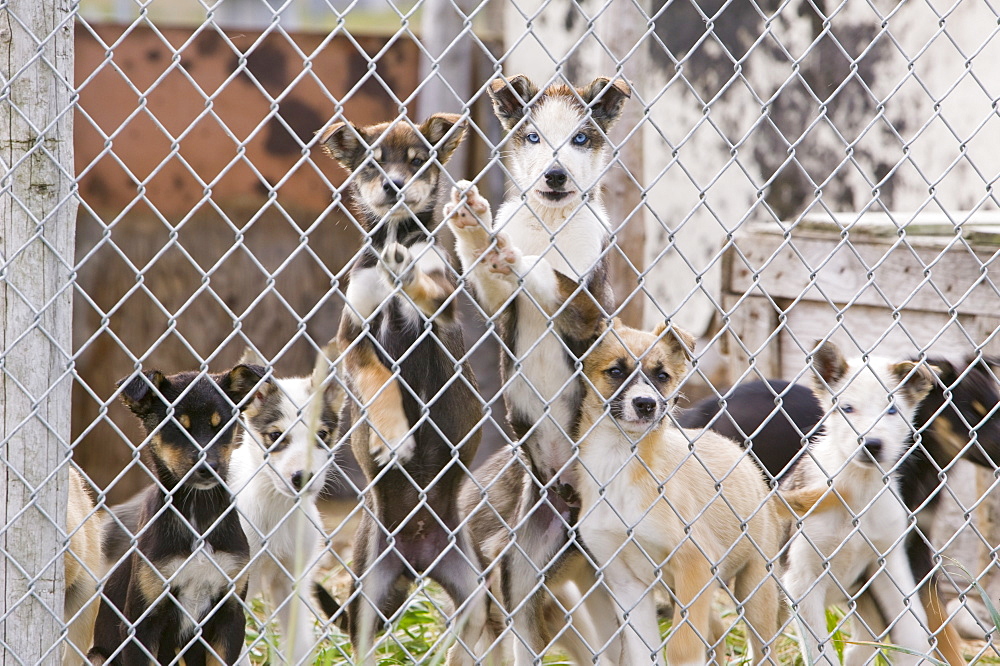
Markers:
point(416, 419)
point(853, 524)
point(182, 588)
point(277, 474)
point(530, 267)
point(774, 418)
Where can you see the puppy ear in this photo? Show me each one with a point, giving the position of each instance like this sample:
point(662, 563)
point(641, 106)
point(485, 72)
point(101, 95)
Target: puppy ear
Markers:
point(916, 380)
point(343, 142)
point(445, 131)
point(510, 99)
point(251, 357)
point(137, 393)
point(947, 371)
point(829, 364)
point(240, 381)
point(582, 315)
point(679, 340)
point(605, 99)
point(333, 393)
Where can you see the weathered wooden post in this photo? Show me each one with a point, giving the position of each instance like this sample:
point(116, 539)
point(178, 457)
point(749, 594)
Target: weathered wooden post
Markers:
point(37, 220)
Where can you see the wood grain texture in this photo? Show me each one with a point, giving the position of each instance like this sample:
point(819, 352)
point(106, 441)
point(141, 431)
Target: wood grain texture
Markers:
point(37, 216)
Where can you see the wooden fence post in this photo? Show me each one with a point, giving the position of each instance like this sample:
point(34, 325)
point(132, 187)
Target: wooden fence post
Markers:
point(37, 225)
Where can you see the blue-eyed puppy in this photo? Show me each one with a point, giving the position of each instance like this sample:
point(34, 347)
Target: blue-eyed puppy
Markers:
point(854, 523)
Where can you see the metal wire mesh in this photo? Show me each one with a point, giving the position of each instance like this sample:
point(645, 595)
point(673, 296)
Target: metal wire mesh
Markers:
point(781, 173)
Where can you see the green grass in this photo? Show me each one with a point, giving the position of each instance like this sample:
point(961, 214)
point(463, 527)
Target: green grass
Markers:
point(419, 637)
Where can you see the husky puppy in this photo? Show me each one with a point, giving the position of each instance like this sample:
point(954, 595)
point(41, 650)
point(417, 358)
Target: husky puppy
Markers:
point(277, 474)
point(650, 504)
point(854, 524)
point(188, 568)
point(947, 421)
point(84, 568)
point(524, 267)
point(414, 398)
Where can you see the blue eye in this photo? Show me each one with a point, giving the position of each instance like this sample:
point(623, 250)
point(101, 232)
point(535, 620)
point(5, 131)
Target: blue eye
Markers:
point(580, 139)
point(615, 373)
point(892, 410)
point(847, 409)
point(532, 137)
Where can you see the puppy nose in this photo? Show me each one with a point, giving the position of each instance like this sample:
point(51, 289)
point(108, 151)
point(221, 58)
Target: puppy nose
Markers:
point(555, 178)
point(392, 186)
point(874, 447)
point(300, 479)
point(204, 471)
point(644, 406)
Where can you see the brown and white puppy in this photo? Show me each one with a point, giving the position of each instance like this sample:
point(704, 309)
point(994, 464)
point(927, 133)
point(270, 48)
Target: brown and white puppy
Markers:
point(547, 245)
point(402, 347)
point(181, 587)
point(84, 568)
point(851, 536)
point(653, 505)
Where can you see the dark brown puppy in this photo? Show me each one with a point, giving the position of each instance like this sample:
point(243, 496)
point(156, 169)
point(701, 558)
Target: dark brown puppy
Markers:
point(188, 567)
point(415, 402)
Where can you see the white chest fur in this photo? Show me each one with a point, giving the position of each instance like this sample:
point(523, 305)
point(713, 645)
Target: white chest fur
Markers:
point(199, 581)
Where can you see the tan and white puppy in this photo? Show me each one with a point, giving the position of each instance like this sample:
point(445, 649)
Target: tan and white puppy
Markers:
point(653, 505)
point(851, 536)
point(526, 266)
point(84, 568)
point(277, 474)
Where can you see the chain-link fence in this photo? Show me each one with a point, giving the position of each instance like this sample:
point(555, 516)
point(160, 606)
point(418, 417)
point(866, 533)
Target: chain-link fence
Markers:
point(423, 401)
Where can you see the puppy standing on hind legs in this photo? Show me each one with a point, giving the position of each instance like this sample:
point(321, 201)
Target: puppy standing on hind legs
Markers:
point(403, 379)
point(854, 524)
point(525, 268)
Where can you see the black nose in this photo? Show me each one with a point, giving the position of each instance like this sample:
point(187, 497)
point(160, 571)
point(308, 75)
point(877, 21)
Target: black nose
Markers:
point(644, 406)
point(555, 178)
point(390, 186)
point(204, 471)
point(300, 479)
point(874, 447)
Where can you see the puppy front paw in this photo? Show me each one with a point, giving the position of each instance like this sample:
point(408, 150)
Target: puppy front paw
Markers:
point(383, 450)
point(468, 212)
point(502, 257)
point(397, 263)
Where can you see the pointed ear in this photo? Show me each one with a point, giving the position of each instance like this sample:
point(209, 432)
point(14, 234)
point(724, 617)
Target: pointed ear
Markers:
point(605, 99)
point(240, 381)
point(829, 364)
point(251, 357)
point(444, 131)
point(679, 340)
point(915, 380)
point(582, 316)
point(343, 142)
point(137, 393)
point(510, 99)
point(333, 392)
point(947, 371)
